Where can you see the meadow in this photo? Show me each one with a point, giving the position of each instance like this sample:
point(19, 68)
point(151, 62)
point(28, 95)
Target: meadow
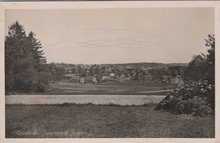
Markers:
point(126, 110)
point(103, 121)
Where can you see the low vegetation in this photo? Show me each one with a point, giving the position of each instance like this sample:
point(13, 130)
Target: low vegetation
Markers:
point(111, 88)
point(196, 98)
point(103, 121)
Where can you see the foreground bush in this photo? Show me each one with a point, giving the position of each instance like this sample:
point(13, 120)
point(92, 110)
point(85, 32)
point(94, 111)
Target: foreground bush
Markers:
point(196, 98)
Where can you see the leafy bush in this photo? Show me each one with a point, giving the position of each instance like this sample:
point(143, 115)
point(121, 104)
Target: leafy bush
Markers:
point(197, 98)
point(40, 87)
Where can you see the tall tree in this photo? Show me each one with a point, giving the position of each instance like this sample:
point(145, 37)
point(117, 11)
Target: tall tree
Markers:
point(37, 51)
point(197, 68)
point(210, 42)
point(202, 67)
point(23, 59)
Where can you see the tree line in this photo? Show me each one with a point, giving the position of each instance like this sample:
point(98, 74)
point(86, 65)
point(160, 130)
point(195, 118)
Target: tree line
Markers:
point(202, 67)
point(157, 73)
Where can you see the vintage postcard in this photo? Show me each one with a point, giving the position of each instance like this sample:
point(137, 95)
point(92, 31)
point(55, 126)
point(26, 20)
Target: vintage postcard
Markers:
point(109, 71)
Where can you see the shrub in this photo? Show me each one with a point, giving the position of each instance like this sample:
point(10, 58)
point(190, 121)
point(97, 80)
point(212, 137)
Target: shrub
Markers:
point(40, 87)
point(195, 98)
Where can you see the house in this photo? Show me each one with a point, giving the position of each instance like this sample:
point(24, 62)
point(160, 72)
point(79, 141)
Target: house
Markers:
point(91, 79)
point(112, 75)
point(95, 81)
point(121, 78)
point(82, 80)
point(106, 78)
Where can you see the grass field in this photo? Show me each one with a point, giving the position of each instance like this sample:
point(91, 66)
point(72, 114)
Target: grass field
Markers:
point(89, 121)
point(111, 88)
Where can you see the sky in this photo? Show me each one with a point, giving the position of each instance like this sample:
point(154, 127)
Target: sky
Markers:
point(122, 35)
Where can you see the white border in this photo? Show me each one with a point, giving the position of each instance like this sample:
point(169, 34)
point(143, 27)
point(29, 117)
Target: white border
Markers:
point(107, 4)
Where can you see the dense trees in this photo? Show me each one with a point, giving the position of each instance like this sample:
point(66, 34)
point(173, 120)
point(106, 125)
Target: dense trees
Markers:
point(203, 66)
point(197, 95)
point(197, 68)
point(25, 63)
point(134, 71)
point(56, 73)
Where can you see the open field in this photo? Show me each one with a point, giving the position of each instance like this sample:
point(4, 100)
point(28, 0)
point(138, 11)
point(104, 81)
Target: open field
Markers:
point(111, 88)
point(71, 120)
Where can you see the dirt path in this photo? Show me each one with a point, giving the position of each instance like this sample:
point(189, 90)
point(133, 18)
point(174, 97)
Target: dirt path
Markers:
point(83, 99)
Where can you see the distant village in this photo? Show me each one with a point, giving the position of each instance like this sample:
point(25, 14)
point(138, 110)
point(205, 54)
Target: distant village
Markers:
point(95, 74)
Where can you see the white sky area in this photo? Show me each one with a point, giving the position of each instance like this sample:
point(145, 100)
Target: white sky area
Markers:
point(126, 35)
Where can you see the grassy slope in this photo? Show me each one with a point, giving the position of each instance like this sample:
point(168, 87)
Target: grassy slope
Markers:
point(107, 88)
point(103, 121)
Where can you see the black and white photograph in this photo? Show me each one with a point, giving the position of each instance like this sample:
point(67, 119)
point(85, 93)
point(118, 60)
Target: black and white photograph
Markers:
point(110, 72)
